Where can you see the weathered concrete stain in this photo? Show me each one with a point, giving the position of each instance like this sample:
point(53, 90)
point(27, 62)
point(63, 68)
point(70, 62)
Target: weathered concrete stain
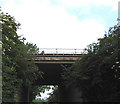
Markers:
point(56, 58)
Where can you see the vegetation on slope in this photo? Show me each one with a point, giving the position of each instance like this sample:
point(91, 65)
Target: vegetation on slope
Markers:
point(98, 72)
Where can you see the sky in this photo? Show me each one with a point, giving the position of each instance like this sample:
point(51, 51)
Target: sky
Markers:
point(62, 23)
point(46, 94)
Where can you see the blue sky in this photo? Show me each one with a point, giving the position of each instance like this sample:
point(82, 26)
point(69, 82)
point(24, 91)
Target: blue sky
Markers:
point(62, 23)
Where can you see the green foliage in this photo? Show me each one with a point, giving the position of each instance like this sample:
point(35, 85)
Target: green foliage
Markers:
point(98, 72)
point(41, 89)
point(40, 101)
point(31, 48)
point(9, 40)
point(54, 97)
point(18, 72)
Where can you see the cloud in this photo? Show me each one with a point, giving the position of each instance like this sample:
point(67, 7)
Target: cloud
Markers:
point(87, 3)
point(52, 27)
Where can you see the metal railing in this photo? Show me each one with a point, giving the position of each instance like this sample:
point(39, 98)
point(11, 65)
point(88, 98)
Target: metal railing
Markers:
point(61, 51)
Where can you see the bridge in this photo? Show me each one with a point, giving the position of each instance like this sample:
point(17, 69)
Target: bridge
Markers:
point(52, 64)
point(58, 56)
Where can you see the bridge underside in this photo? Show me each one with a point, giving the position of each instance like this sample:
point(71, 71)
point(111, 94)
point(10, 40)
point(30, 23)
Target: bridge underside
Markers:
point(52, 67)
point(52, 73)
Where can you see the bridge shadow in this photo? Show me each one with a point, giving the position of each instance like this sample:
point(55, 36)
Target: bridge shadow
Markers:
point(52, 76)
point(52, 67)
point(52, 73)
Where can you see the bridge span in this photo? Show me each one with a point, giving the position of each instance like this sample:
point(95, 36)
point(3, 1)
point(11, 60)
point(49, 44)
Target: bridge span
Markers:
point(52, 65)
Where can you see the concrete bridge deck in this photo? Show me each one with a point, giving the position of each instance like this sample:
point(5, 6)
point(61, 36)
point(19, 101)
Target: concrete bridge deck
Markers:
point(56, 58)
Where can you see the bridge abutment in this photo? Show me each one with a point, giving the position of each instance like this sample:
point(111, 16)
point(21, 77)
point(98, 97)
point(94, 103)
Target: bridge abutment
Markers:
point(52, 66)
point(70, 94)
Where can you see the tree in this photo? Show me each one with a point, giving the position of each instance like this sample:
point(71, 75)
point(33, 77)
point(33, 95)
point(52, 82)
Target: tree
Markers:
point(54, 97)
point(31, 48)
point(98, 72)
point(18, 72)
point(9, 40)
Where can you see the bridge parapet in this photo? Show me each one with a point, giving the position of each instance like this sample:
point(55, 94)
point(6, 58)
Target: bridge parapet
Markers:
point(62, 51)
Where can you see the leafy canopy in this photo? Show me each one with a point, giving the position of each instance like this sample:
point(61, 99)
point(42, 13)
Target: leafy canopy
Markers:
point(98, 72)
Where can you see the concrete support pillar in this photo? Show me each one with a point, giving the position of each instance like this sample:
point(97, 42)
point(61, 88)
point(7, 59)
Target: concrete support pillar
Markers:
point(23, 94)
point(70, 94)
point(63, 94)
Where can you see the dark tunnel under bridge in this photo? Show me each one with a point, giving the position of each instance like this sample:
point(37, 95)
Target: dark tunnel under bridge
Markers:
point(52, 65)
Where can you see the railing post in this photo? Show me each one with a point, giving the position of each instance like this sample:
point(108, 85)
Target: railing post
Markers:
point(75, 51)
point(56, 51)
